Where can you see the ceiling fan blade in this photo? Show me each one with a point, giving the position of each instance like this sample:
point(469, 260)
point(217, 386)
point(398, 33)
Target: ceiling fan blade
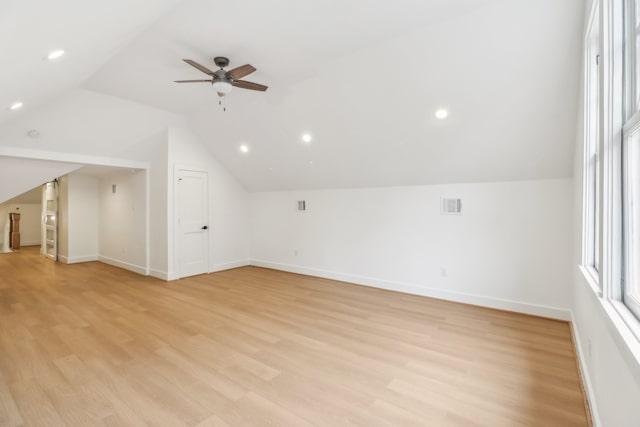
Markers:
point(249, 85)
point(193, 81)
point(199, 67)
point(240, 72)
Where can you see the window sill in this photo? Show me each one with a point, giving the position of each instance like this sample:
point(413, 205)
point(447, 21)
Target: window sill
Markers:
point(591, 277)
point(627, 327)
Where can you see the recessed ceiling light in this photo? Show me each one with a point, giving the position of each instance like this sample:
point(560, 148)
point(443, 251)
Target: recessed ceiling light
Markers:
point(16, 106)
point(310, 162)
point(306, 138)
point(55, 54)
point(244, 148)
point(442, 114)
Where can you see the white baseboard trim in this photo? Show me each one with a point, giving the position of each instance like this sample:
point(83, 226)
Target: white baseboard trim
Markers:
point(30, 243)
point(163, 275)
point(125, 265)
point(582, 365)
point(77, 259)
point(491, 302)
point(214, 268)
point(159, 274)
point(229, 265)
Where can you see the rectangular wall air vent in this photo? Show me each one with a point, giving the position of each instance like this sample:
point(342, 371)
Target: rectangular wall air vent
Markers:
point(449, 206)
point(302, 205)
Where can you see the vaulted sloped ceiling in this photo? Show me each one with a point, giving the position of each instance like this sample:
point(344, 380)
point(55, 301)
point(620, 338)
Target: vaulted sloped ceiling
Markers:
point(91, 32)
point(364, 78)
point(20, 176)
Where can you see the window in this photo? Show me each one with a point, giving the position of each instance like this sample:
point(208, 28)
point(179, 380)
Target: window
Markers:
point(631, 179)
point(630, 283)
point(591, 243)
point(611, 178)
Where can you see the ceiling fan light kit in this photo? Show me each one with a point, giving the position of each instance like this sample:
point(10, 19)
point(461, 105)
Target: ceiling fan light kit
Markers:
point(222, 87)
point(223, 81)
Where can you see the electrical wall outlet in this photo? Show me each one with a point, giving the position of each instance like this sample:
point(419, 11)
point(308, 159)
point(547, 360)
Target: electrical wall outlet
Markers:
point(443, 272)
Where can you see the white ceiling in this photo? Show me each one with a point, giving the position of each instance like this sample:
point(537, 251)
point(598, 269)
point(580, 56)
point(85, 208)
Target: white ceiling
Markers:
point(99, 172)
point(33, 196)
point(86, 122)
point(363, 77)
point(89, 31)
point(22, 175)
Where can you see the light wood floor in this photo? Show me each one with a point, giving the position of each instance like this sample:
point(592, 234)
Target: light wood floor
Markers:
point(92, 345)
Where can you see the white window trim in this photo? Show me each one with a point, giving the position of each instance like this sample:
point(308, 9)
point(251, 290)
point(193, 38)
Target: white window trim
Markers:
point(587, 266)
point(616, 296)
point(626, 325)
point(612, 67)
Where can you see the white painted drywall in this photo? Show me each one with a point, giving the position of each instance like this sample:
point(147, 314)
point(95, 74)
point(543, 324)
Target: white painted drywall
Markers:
point(510, 249)
point(30, 222)
point(83, 122)
point(4, 228)
point(63, 218)
point(78, 214)
point(83, 218)
point(122, 220)
point(228, 204)
point(157, 153)
point(18, 175)
point(30, 215)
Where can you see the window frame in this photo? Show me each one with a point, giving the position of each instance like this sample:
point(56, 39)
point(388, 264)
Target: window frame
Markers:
point(619, 119)
point(592, 137)
point(631, 132)
point(617, 116)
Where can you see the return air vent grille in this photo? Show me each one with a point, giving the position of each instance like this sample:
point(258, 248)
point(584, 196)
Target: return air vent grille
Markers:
point(449, 206)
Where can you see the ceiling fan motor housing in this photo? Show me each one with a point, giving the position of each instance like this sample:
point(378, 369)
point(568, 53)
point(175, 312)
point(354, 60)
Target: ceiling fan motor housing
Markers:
point(221, 61)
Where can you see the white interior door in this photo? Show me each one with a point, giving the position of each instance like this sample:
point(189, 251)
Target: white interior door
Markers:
point(193, 222)
point(50, 220)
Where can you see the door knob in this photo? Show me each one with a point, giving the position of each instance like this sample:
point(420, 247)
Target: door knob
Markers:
point(204, 227)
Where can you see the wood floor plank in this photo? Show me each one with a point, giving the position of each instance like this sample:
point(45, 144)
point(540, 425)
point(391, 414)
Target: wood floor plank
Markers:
point(9, 414)
point(94, 345)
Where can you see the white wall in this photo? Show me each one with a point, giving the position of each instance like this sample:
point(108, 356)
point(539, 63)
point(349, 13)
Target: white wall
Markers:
point(30, 222)
point(158, 153)
point(30, 217)
point(4, 228)
point(510, 249)
point(63, 218)
point(78, 218)
point(83, 218)
point(123, 220)
point(228, 204)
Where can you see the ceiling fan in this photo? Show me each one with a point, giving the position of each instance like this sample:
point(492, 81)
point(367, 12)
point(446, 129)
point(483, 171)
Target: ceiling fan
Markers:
point(221, 80)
